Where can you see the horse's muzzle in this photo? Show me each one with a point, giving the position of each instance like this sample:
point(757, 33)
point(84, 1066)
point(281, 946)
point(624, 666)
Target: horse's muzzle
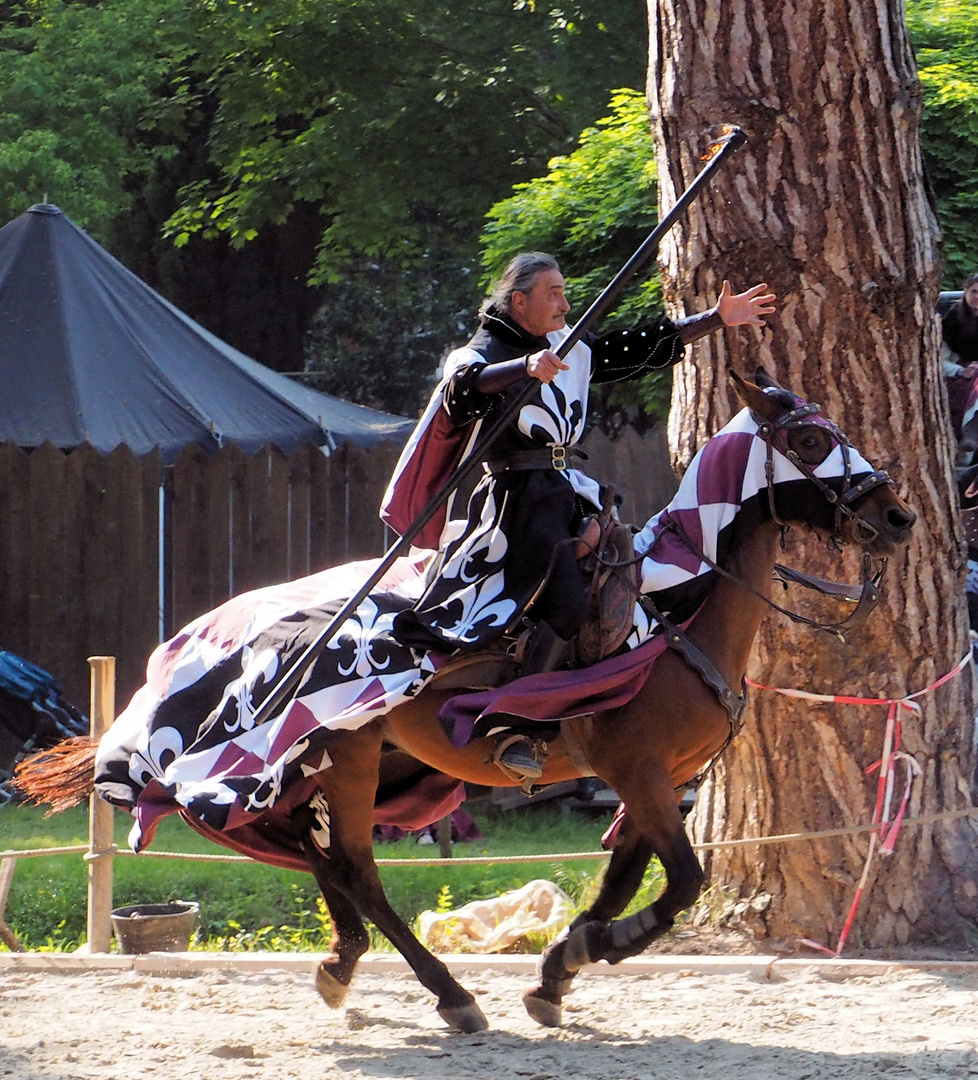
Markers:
point(892, 520)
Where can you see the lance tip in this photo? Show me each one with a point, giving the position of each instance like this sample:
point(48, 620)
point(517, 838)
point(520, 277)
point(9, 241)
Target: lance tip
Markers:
point(729, 133)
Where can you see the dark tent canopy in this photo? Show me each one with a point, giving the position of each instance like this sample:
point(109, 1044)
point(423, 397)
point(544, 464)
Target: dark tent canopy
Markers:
point(89, 353)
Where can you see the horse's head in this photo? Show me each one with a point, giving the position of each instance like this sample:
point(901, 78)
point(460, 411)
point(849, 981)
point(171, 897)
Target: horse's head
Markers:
point(857, 503)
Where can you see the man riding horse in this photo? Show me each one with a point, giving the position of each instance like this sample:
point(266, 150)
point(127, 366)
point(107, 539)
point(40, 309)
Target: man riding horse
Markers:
point(508, 548)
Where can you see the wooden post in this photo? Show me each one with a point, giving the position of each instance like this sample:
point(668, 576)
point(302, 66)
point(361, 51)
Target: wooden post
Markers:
point(445, 837)
point(6, 876)
point(100, 833)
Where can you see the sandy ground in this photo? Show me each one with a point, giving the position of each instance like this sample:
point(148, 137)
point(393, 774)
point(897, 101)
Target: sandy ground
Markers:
point(802, 1022)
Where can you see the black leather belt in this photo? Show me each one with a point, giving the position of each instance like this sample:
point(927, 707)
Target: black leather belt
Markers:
point(549, 457)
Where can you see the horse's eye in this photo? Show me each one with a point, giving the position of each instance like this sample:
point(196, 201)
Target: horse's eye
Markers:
point(811, 444)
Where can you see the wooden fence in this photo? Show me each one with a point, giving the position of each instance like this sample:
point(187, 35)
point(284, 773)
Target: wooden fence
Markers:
point(235, 522)
point(103, 554)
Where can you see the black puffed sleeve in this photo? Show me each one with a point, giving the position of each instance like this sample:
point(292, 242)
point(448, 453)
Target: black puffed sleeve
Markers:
point(630, 354)
point(462, 401)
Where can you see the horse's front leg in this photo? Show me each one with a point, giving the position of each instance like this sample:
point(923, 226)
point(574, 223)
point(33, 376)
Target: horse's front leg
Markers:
point(656, 827)
point(621, 880)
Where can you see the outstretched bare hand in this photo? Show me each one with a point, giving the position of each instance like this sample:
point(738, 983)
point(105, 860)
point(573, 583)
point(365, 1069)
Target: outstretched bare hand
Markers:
point(746, 308)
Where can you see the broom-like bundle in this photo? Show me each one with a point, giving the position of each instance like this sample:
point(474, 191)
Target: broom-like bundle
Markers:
point(59, 777)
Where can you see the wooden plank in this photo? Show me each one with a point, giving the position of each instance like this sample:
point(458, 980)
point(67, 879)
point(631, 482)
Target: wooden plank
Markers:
point(136, 630)
point(213, 531)
point(299, 562)
point(388, 454)
point(150, 482)
point(131, 524)
point(14, 546)
point(189, 569)
point(100, 813)
point(361, 511)
point(7, 867)
point(329, 538)
point(101, 535)
point(46, 566)
point(111, 574)
point(370, 471)
point(638, 467)
point(268, 493)
point(242, 573)
point(168, 614)
point(78, 572)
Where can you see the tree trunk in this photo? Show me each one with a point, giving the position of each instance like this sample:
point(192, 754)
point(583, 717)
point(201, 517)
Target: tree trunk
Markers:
point(827, 203)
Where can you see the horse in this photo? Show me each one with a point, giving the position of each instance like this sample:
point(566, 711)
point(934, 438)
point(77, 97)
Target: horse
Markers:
point(648, 720)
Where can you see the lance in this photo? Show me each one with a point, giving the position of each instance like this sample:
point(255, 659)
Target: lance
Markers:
point(731, 140)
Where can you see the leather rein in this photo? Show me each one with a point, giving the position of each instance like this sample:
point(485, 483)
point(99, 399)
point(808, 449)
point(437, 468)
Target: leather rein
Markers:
point(865, 597)
point(863, 533)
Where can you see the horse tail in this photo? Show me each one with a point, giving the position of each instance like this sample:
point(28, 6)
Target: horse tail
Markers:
point(59, 777)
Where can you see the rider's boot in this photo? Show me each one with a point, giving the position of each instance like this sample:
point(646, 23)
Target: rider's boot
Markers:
point(545, 651)
point(516, 756)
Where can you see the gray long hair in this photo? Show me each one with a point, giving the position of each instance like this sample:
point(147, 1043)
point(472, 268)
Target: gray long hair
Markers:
point(519, 276)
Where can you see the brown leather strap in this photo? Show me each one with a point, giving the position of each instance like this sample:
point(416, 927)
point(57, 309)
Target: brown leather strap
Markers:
point(575, 729)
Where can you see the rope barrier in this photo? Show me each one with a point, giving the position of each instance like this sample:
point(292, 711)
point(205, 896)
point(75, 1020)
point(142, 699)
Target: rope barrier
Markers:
point(488, 860)
point(32, 853)
point(885, 823)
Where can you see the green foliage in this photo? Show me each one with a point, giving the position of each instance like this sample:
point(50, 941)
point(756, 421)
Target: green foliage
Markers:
point(386, 132)
point(592, 210)
point(945, 38)
point(383, 329)
point(400, 123)
point(377, 133)
point(77, 83)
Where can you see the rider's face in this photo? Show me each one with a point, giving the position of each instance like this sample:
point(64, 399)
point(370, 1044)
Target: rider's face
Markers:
point(543, 307)
point(971, 297)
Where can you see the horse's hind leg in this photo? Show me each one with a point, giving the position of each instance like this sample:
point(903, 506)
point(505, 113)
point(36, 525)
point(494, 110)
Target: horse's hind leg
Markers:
point(622, 877)
point(350, 939)
point(353, 872)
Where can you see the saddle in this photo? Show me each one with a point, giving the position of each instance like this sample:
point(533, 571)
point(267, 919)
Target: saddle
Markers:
point(615, 580)
point(606, 551)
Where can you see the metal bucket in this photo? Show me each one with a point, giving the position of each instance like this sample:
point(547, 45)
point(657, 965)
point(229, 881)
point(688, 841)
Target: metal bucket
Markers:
point(144, 928)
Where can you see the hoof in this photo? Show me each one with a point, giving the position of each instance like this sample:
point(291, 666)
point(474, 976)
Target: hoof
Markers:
point(466, 1018)
point(546, 1013)
point(332, 992)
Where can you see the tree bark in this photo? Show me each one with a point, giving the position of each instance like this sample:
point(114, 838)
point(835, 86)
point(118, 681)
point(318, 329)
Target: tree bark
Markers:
point(828, 204)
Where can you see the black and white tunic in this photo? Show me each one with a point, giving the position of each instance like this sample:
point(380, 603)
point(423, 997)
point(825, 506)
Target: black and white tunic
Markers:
point(497, 541)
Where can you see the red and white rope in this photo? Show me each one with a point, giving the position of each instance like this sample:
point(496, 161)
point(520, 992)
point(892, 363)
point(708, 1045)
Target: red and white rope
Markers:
point(886, 824)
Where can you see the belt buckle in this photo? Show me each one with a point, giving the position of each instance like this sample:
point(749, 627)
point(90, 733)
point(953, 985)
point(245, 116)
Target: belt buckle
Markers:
point(558, 457)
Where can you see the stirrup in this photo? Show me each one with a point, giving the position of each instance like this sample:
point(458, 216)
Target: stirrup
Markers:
point(516, 756)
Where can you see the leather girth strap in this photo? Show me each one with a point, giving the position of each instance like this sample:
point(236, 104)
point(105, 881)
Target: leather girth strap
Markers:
point(574, 731)
point(703, 666)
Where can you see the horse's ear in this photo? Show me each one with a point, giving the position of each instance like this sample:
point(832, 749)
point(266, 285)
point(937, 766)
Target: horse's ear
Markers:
point(764, 380)
point(753, 396)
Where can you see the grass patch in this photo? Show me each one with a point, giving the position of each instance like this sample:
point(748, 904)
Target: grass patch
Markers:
point(246, 906)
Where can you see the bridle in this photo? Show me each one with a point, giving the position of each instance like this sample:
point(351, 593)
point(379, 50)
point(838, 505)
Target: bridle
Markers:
point(867, 595)
point(798, 418)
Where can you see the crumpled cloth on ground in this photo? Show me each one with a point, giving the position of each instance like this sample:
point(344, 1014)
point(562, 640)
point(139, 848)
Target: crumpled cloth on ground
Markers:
point(491, 925)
